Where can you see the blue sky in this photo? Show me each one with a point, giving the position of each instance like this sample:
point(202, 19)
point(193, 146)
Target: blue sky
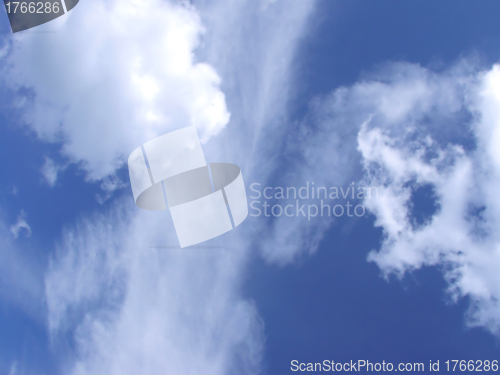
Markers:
point(398, 95)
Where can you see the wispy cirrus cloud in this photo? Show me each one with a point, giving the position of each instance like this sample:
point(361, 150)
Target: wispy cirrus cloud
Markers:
point(260, 40)
point(134, 308)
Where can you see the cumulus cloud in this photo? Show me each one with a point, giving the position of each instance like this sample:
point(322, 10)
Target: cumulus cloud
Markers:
point(114, 75)
point(433, 138)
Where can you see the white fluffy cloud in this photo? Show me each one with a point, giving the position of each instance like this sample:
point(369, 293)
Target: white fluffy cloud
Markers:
point(114, 75)
point(410, 141)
